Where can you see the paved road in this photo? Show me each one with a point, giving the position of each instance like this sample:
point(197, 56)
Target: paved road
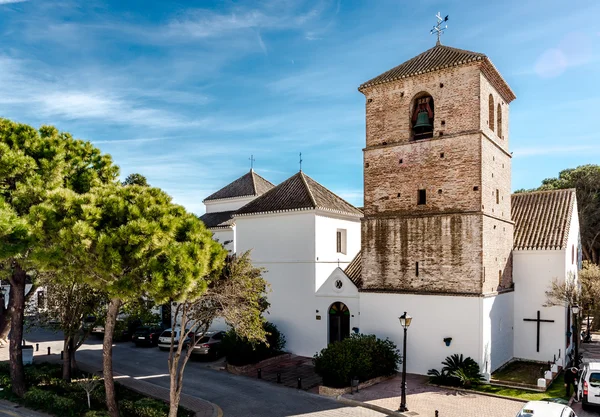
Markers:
point(236, 395)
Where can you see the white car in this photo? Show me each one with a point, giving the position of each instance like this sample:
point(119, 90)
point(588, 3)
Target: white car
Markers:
point(545, 409)
point(164, 340)
point(589, 385)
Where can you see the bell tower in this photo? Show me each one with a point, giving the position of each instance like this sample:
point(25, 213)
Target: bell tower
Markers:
point(437, 182)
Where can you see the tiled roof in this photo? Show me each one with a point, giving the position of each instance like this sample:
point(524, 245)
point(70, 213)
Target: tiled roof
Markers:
point(223, 219)
point(299, 192)
point(440, 57)
point(247, 185)
point(433, 59)
point(354, 270)
point(542, 218)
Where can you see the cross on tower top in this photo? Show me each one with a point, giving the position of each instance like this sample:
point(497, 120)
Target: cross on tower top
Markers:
point(438, 29)
point(252, 160)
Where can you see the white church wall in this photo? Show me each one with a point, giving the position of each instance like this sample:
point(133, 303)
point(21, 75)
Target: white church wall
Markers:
point(284, 244)
point(533, 272)
point(498, 334)
point(227, 204)
point(280, 237)
point(329, 293)
point(434, 318)
point(226, 238)
point(327, 256)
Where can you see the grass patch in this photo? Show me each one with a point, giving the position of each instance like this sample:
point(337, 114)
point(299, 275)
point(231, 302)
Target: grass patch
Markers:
point(523, 372)
point(556, 390)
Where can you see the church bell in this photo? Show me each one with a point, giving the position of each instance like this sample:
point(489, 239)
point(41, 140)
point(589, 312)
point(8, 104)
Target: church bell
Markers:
point(422, 121)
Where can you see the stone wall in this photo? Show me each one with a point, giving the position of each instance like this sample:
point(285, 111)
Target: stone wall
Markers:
point(455, 92)
point(448, 168)
point(446, 246)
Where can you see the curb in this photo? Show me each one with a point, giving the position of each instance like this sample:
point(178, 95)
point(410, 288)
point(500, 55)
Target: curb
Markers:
point(571, 400)
point(487, 394)
point(373, 407)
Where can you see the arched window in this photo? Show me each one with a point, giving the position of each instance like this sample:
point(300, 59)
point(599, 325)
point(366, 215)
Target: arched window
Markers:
point(500, 121)
point(422, 117)
point(491, 115)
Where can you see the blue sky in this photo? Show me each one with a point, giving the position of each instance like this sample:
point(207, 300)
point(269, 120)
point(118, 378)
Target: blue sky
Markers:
point(184, 92)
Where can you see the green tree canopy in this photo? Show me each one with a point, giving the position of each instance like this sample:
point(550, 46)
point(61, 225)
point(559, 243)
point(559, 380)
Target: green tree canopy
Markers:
point(586, 180)
point(129, 241)
point(136, 179)
point(34, 163)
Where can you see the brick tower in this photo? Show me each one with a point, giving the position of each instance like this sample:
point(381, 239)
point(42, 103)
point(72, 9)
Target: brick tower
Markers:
point(437, 177)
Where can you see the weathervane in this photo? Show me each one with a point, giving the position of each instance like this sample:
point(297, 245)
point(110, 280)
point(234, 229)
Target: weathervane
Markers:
point(252, 160)
point(438, 29)
point(300, 161)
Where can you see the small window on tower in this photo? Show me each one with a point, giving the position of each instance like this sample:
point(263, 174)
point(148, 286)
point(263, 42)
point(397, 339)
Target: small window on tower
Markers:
point(500, 277)
point(500, 121)
point(341, 241)
point(417, 269)
point(422, 197)
point(491, 112)
point(422, 117)
point(497, 196)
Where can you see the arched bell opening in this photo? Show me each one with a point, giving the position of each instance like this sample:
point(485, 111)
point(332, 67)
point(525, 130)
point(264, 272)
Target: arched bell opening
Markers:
point(339, 322)
point(422, 116)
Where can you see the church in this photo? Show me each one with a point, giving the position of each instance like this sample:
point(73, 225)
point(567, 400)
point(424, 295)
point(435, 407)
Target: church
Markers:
point(440, 236)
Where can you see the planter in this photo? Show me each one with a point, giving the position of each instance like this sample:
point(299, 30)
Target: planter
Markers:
point(27, 354)
point(334, 392)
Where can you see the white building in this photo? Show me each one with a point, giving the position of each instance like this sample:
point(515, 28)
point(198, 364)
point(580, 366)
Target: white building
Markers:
point(437, 198)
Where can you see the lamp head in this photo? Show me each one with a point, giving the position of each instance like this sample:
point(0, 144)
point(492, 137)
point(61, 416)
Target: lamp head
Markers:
point(575, 309)
point(405, 320)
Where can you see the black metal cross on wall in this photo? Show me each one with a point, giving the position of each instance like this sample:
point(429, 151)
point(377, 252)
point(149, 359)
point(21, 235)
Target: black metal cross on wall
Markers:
point(539, 320)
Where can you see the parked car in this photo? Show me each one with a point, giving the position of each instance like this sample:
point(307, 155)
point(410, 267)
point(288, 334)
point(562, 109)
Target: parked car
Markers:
point(124, 328)
point(146, 335)
point(589, 385)
point(164, 340)
point(208, 344)
point(546, 409)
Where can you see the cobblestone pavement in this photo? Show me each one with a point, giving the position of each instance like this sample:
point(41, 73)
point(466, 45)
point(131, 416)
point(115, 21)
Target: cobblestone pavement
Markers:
point(289, 369)
point(425, 400)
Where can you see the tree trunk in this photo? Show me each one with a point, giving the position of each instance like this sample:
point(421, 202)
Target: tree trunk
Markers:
point(67, 352)
point(17, 309)
point(174, 395)
point(109, 383)
point(4, 319)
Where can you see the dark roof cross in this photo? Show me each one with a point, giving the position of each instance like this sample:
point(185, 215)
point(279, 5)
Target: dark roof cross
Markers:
point(300, 161)
point(252, 160)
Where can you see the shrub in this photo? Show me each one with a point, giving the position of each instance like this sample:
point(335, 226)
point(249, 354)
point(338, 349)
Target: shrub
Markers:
point(147, 407)
point(94, 413)
point(240, 351)
point(457, 371)
point(47, 400)
point(361, 356)
point(42, 374)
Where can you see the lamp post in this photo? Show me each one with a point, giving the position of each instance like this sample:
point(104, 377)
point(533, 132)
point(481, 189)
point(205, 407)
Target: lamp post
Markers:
point(575, 310)
point(405, 320)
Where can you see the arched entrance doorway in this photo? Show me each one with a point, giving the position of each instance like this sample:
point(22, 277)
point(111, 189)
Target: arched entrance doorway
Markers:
point(339, 322)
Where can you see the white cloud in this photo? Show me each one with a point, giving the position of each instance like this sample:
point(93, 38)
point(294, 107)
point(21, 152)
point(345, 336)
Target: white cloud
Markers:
point(12, 1)
point(574, 50)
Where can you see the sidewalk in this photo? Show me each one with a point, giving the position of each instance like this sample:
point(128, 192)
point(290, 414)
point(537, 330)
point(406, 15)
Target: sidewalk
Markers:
point(15, 410)
point(424, 400)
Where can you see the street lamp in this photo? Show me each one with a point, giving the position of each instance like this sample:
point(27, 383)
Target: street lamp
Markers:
point(575, 310)
point(405, 320)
